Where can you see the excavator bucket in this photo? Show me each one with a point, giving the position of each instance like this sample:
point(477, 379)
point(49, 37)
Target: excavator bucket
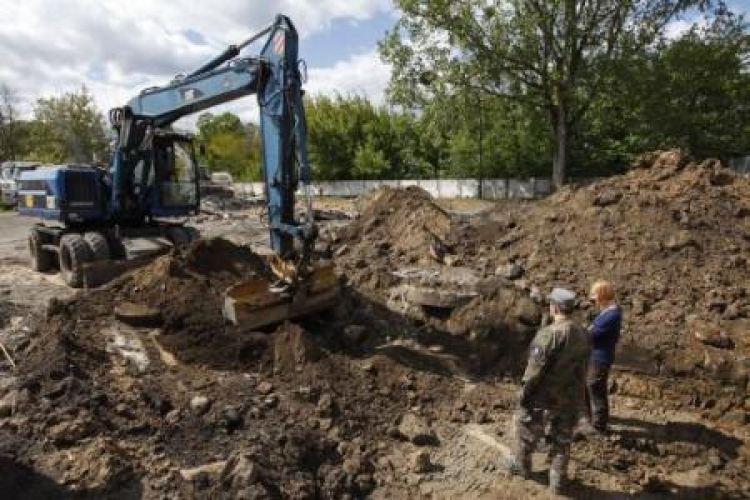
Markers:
point(254, 303)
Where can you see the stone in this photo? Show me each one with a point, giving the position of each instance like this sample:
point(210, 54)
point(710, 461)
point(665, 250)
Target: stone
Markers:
point(271, 401)
point(231, 419)
point(415, 429)
point(138, 315)
point(341, 250)
point(680, 240)
point(510, 271)
point(419, 462)
point(607, 197)
point(202, 472)
point(200, 404)
point(265, 387)
point(173, 417)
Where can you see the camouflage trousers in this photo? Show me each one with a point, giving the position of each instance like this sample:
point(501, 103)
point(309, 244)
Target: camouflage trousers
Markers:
point(556, 426)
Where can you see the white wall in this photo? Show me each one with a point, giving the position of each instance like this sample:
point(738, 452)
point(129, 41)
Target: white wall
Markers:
point(439, 188)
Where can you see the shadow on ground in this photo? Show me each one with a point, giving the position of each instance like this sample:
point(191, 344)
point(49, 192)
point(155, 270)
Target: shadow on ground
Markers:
point(21, 482)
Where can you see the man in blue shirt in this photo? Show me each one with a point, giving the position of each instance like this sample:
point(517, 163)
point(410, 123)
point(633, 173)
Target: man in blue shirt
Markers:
point(605, 332)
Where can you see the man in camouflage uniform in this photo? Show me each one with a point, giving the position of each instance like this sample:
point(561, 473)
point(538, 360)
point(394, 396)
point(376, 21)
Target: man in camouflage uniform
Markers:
point(552, 392)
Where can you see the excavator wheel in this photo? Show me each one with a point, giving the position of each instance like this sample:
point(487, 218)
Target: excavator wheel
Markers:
point(98, 245)
point(74, 252)
point(41, 260)
point(179, 236)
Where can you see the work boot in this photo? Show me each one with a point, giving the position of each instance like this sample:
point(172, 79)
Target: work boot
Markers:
point(515, 467)
point(557, 472)
point(555, 481)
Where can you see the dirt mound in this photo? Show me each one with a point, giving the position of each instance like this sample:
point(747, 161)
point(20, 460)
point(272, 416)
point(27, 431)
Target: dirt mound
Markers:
point(674, 237)
point(395, 227)
point(286, 417)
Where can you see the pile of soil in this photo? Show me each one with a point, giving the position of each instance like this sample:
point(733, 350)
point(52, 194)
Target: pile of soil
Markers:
point(672, 235)
point(404, 230)
point(105, 408)
point(396, 227)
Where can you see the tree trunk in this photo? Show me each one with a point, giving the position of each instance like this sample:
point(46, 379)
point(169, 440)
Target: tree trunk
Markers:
point(560, 163)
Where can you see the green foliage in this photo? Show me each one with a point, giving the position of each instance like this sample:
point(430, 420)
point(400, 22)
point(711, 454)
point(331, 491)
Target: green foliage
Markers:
point(10, 125)
point(541, 54)
point(692, 92)
point(350, 138)
point(477, 91)
point(226, 144)
point(67, 128)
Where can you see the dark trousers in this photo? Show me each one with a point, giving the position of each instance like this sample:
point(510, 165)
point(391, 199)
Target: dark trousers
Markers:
point(528, 426)
point(597, 382)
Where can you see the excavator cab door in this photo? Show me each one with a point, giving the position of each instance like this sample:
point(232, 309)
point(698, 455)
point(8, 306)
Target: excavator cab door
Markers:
point(176, 177)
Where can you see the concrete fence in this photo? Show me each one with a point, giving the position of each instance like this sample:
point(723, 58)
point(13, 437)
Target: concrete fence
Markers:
point(740, 165)
point(492, 189)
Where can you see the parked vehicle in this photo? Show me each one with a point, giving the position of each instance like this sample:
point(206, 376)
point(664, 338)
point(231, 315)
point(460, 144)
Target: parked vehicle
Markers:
point(210, 187)
point(10, 172)
point(223, 179)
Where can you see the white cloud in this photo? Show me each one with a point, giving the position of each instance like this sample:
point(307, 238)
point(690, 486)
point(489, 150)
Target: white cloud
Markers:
point(117, 48)
point(362, 74)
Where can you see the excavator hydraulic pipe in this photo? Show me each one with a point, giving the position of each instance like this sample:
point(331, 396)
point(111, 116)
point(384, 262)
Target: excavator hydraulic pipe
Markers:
point(231, 52)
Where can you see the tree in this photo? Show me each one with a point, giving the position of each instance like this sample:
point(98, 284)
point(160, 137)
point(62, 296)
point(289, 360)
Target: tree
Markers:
point(10, 129)
point(538, 53)
point(226, 144)
point(691, 92)
point(68, 128)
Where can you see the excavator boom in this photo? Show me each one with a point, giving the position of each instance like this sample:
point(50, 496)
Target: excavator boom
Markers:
point(274, 76)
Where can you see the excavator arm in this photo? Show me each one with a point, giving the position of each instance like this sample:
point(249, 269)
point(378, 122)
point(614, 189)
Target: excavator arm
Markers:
point(274, 76)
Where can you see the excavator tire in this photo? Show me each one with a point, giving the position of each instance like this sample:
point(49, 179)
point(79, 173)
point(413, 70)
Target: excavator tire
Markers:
point(74, 252)
point(179, 236)
point(98, 245)
point(41, 260)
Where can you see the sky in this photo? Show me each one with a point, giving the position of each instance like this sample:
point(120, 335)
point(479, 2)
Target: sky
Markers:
point(118, 47)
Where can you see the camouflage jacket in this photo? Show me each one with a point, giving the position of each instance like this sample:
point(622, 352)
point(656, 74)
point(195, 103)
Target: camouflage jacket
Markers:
point(556, 372)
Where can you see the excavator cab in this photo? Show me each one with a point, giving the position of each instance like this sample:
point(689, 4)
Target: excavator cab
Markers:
point(176, 174)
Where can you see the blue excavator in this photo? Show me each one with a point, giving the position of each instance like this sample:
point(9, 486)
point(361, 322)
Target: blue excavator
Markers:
point(125, 212)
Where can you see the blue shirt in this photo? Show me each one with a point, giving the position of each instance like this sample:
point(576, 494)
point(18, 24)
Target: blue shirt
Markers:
point(605, 332)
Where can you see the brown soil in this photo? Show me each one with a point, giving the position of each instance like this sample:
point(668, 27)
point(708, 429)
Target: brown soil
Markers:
point(674, 238)
point(348, 403)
